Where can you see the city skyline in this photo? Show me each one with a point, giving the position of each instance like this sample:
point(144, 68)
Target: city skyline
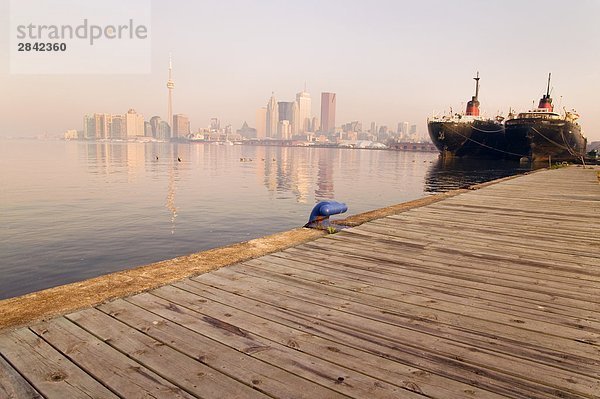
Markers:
point(382, 68)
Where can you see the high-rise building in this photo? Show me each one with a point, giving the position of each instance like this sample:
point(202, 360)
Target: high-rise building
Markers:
point(284, 130)
point(147, 129)
point(154, 123)
point(413, 133)
point(285, 110)
point(286, 113)
point(272, 117)
point(315, 124)
point(304, 111)
point(181, 126)
point(328, 101)
point(295, 121)
point(261, 123)
point(117, 127)
point(89, 127)
point(405, 129)
point(170, 87)
point(215, 125)
point(164, 130)
point(134, 124)
point(96, 126)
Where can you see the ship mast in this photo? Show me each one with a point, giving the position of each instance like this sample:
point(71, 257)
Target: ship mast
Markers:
point(477, 86)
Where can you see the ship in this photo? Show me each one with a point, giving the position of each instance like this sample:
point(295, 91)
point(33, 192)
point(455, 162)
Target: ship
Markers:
point(541, 134)
point(468, 134)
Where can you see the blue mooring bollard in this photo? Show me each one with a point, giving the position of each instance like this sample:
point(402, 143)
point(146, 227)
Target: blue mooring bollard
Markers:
point(319, 217)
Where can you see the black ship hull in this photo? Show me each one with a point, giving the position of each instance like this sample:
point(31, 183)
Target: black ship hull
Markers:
point(477, 139)
point(544, 140)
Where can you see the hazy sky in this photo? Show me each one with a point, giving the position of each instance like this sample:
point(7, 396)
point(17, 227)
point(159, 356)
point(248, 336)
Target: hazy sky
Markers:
point(388, 61)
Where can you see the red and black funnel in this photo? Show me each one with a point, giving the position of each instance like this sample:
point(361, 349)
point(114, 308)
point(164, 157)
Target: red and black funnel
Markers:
point(546, 101)
point(473, 105)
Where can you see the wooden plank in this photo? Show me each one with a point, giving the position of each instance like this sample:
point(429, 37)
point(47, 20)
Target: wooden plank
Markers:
point(504, 233)
point(465, 276)
point(520, 267)
point(306, 341)
point(421, 316)
point(49, 372)
point(190, 311)
point(394, 248)
point(262, 376)
point(450, 282)
point(184, 371)
point(482, 247)
point(377, 364)
point(352, 312)
point(459, 222)
point(396, 285)
point(122, 375)
point(13, 385)
point(448, 357)
point(490, 239)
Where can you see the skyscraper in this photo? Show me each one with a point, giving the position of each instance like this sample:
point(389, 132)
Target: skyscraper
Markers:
point(284, 130)
point(181, 126)
point(315, 124)
point(89, 127)
point(117, 127)
point(295, 121)
point(328, 112)
point(272, 117)
point(154, 124)
point(170, 86)
point(97, 126)
point(304, 111)
point(134, 124)
point(261, 123)
point(285, 110)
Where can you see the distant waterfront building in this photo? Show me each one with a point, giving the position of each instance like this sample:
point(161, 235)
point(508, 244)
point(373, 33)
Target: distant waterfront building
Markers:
point(71, 135)
point(315, 124)
point(215, 125)
point(295, 121)
point(96, 126)
point(246, 131)
point(147, 129)
point(285, 110)
point(89, 129)
point(304, 111)
point(286, 113)
point(328, 102)
point(117, 128)
point(164, 131)
point(261, 123)
point(272, 117)
point(405, 129)
point(181, 126)
point(154, 125)
point(284, 129)
point(134, 124)
point(413, 133)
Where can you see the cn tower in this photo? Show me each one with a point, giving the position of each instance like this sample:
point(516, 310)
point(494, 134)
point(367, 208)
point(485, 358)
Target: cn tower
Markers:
point(170, 86)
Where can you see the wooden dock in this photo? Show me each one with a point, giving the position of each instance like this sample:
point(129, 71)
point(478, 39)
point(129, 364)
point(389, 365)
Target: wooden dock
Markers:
point(492, 293)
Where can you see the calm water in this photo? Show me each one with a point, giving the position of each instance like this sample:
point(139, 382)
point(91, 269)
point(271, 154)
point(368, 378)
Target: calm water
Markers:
point(74, 210)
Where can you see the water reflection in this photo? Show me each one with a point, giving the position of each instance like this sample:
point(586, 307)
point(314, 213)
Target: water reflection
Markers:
point(81, 209)
point(452, 173)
